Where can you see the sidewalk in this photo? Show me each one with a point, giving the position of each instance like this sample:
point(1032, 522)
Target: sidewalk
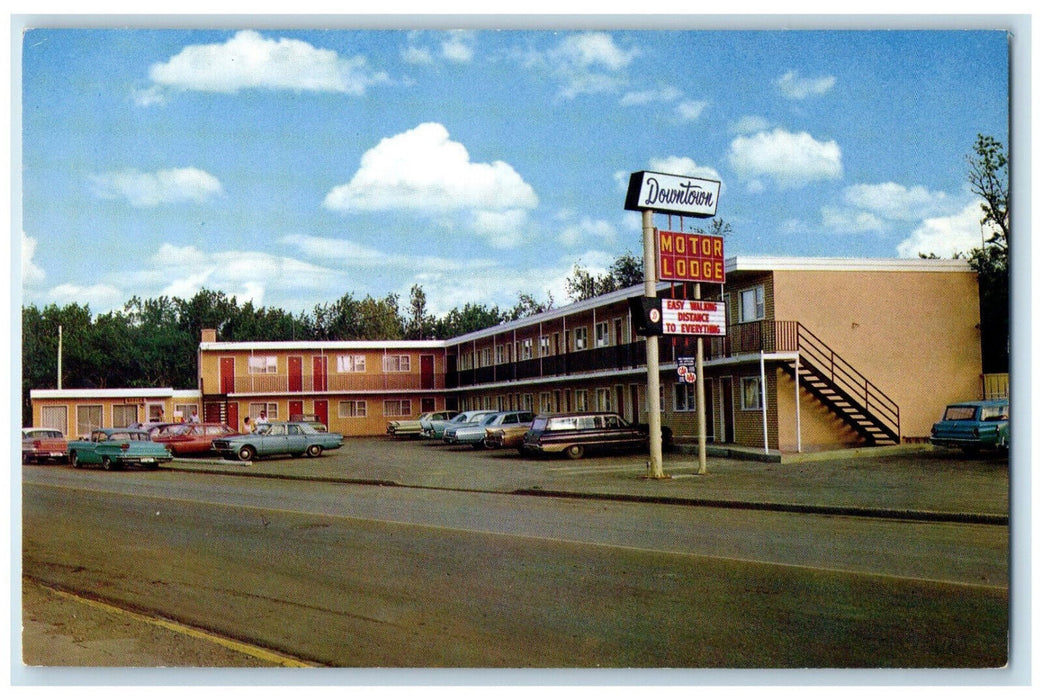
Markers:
point(908, 482)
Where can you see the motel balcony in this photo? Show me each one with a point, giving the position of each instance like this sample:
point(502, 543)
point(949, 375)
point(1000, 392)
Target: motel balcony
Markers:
point(348, 383)
point(741, 339)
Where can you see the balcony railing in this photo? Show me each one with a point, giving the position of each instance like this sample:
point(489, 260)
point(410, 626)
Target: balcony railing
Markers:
point(336, 383)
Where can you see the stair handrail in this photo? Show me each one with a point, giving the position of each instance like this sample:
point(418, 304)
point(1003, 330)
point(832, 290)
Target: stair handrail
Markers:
point(844, 375)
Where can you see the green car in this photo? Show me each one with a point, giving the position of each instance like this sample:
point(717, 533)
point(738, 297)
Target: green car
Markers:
point(292, 438)
point(973, 425)
point(118, 448)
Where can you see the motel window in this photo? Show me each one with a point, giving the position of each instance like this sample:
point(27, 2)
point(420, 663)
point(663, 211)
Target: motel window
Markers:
point(401, 407)
point(603, 337)
point(751, 394)
point(355, 409)
point(350, 363)
point(184, 410)
point(603, 399)
point(501, 352)
point(123, 415)
point(88, 418)
point(397, 363)
point(526, 402)
point(501, 403)
point(271, 409)
point(684, 397)
point(581, 400)
point(56, 417)
point(526, 349)
point(262, 364)
point(544, 346)
point(581, 338)
point(486, 357)
point(545, 405)
point(753, 304)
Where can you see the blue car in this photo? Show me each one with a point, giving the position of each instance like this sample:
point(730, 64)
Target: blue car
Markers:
point(973, 425)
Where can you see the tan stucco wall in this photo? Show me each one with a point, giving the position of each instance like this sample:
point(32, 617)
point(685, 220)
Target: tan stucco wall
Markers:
point(913, 334)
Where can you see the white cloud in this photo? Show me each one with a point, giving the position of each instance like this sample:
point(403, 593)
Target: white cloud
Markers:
point(643, 97)
point(160, 187)
point(31, 273)
point(251, 61)
point(682, 165)
point(690, 110)
point(99, 297)
point(791, 160)
point(893, 201)
point(846, 220)
point(417, 55)
point(458, 46)
point(945, 236)
point(424, 171)
point(585, 63)
point(503, 229)
point(750, 124)
point(586, 229)
point(796, 88)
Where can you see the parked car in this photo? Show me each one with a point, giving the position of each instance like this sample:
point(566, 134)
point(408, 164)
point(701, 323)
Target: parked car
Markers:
point(278, 438)
point(973, 425)
point(412, 428)
point(476, 420)
point(311, 419)
point(191, 438)
point(506, 436)
point(117, 448)
point(435, 429)
point(476, 434)
point(43, 445)
point(575, 434)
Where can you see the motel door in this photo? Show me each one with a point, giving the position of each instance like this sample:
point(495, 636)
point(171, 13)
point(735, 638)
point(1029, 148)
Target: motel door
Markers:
point(296, 374)
point(233, 415)
point(322, 411)
point(227, 375)
point(318, 368)
point(426, 371)
point(296, 408)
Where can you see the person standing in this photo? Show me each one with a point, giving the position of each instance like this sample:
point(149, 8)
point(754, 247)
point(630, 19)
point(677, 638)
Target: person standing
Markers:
point(247, 426)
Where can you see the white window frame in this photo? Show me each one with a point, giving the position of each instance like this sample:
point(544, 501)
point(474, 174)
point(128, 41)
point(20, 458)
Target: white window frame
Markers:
point(55, 417)
point(684, 397)
point(127, 414)
point(602, 399)
point(602, 334)
point(94, 418)
point(262, 364)
point(397, 407)
point(352, 408)
point(757, 310)
point(271, 409)
point(350, 364)
point(582, 400)
point(397, 364)
point(581, 338)
point(751, 386)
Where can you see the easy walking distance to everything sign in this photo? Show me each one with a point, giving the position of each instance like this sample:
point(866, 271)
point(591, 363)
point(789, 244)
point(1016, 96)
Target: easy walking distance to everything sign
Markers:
point(693, 317)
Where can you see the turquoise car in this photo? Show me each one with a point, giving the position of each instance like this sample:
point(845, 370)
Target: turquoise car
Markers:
point(973, 425)
point(118, 448)
point(289, 438)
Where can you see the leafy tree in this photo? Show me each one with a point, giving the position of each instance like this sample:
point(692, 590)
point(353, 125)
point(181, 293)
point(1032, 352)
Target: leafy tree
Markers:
point(527, 306)
point(472, 317)
point(989, 179)
point(419, 324)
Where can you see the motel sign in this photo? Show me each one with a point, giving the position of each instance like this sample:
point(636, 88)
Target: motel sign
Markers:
point(690, 257)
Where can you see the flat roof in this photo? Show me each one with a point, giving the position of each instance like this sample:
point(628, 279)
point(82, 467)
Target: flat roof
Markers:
point(325, 345)
point(156, 393)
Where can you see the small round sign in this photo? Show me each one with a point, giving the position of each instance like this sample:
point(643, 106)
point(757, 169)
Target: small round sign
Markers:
point(655, 315)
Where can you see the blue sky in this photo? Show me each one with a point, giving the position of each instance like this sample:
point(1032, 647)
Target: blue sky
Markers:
point(292, 167)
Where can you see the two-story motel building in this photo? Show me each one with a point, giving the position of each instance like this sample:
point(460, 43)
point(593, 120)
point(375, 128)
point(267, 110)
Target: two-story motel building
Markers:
point(819, 353)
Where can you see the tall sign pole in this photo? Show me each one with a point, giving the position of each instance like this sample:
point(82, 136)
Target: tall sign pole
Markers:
point(651, 192)
point(651, 291)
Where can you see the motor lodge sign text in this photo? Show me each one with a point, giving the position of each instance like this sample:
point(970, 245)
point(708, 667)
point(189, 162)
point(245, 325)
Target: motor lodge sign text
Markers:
point(690, 257)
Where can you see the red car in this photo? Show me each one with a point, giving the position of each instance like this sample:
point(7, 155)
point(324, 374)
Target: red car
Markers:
point(191, 438)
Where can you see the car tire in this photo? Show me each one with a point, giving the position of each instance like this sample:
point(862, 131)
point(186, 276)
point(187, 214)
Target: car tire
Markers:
point(314, 451)
point(246, 453)
point(574, 451)
point(106, 464)
point(74, 460)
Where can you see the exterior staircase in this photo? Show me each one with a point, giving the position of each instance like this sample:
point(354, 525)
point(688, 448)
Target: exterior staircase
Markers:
point(844, 390)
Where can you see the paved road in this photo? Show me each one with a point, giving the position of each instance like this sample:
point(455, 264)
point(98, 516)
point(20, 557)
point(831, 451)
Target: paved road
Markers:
point(373, 576)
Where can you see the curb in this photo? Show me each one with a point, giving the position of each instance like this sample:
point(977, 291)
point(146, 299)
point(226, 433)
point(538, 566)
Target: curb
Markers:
point(810, 509)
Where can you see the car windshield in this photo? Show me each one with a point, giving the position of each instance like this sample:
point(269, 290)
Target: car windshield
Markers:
point(539, 423)
point(993, 413)
point(494, 418)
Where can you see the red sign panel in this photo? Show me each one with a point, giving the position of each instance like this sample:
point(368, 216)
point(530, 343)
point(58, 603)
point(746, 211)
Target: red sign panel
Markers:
point(690, 257)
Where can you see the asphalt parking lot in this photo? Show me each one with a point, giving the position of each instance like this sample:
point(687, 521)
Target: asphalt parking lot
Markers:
point(904, 481)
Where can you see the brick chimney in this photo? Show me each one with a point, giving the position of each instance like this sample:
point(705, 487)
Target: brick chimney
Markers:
point(209, 335)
